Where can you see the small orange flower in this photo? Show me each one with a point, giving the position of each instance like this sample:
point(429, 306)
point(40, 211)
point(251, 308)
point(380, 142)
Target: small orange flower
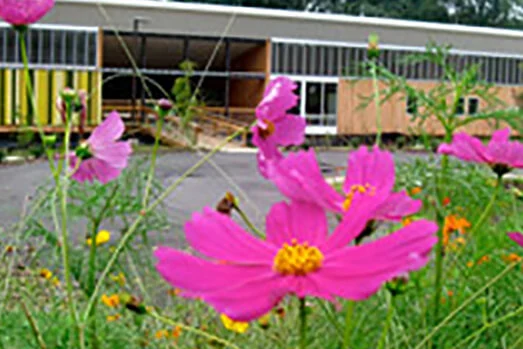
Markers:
point(406, 221)
point(470, 264)
point(512, 258)
point(450, 293)
point(176, 332)
point(161, 334)
point(452, 224)
point(415, 191)
point(174, 292)
point(111, 301)
point(483, 259)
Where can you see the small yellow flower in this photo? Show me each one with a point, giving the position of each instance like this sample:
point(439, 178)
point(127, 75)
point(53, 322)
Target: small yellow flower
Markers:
point(512, 258)
point(470, 264)
point(111, 318)
point(55, 281)
point(111, 301)
point(46, 273)
point(9, 249)
point(119, 278)
point(265, 320)
point(161, 334)
point(234, 326)
point(102, 237)
point(415, 191)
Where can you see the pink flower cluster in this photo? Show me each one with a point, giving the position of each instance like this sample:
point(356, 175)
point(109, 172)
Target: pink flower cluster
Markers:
point(244, 277)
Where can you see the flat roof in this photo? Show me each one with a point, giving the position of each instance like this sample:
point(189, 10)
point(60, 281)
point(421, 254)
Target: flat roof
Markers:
point(204, 19)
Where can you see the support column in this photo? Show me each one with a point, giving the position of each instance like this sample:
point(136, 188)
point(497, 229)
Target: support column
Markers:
point(143, 62)
point(228, 78)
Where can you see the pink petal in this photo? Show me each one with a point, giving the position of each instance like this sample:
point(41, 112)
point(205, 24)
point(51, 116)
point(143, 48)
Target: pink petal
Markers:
point(353, 223)
point(114, 153)
point(301, 221)
point(289, 130)
point(501, 136)
point(110, 130)
point(251, 299)
point(466, 148)
point(299, 177)
point(266, 165)
point(23, 12)
point(375, 167)
point(517, 238)
point(199, 276)
point(507, 153)
point(397, 206)
point(217, 236)
point(94, 168)
point(277, 99)
point(357, 272)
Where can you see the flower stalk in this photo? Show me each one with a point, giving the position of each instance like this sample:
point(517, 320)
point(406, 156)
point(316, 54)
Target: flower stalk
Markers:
point(303, 323)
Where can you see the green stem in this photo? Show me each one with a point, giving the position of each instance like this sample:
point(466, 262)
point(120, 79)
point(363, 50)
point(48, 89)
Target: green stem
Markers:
point(91, 282)
point(453, 314)
point(303, 324)
point(388, 322)
point(157, 135)
point(348, 323)
point(376, 93)
point(34, 327)
point(64, 186)
point(193, 330)
point(491, 324)
point(247, 221)
point(29, 87)
point(127, 236)
point(438, 282)
point(486, 212)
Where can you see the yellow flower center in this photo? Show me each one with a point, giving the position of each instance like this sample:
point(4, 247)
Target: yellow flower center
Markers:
point(267, 132)
point(358, 188)
point(297, 259)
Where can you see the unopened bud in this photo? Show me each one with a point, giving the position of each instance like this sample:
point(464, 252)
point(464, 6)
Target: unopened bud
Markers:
point(373, 50)
point(163, 107)
point(227, 204)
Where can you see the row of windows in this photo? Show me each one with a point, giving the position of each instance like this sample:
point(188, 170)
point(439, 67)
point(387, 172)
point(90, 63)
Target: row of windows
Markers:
point(470, 105)
point(300, 59)
point(50, 47)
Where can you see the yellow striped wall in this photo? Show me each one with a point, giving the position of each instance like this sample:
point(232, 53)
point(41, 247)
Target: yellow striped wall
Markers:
point(15, 105)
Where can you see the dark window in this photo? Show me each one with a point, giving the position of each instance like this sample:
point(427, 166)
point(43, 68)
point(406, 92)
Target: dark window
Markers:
point(460, 107)
point(473, 107)
point(313, 103)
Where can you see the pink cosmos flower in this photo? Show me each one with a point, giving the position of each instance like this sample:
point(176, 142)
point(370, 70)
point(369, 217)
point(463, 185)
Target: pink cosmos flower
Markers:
point(500, 153)
point(103, 158)
point(245, 277)
point(274, 126)
point(24, 12)
point(370, 179)
point(517, 237)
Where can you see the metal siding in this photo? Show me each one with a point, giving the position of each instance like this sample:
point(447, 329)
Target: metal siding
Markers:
point(259, 24)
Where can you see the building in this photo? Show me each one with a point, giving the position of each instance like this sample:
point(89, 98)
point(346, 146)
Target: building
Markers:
point(88, 45)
